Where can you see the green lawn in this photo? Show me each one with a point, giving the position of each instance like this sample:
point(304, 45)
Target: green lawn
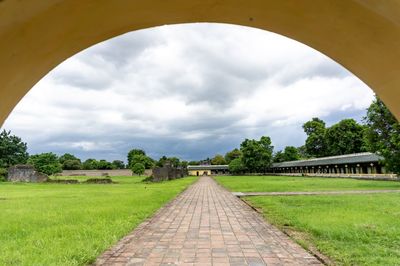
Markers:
point(286, 183)
point(61, 224)
point(350, 229)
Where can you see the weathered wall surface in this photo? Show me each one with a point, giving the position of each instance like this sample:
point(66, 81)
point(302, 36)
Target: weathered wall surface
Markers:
point(168, 172)
point(117, 172)
point(25, 173)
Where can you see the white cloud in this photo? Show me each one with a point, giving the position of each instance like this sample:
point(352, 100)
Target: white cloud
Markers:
point(188, 90)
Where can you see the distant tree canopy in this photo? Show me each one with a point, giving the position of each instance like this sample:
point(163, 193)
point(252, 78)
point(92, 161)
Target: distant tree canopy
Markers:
point(193, 163)
point(315, 143)
point(12, 150)
point(233, 154)
point(290, 153)
point(118, 164)
point(90, 164)
point(46, 163)
point(344, 137)
point(70, 162)
point(257, 154)
point(218, 160)
point(139, 156)
point(382, 134)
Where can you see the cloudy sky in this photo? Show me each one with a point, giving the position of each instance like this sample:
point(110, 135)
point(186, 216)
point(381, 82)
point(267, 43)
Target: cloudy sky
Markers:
point(185, 90)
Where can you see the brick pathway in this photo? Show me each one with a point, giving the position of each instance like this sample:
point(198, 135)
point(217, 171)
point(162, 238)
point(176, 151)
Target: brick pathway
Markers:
point(206, 225)
point(302, 193)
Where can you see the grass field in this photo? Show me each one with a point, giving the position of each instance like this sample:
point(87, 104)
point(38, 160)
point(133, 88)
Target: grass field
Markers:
point(60, 224)
point(297, 183)
point(350, 229)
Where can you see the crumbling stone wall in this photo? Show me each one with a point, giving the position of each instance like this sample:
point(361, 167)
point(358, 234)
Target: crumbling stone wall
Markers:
point(25, 173)
point(167, 172)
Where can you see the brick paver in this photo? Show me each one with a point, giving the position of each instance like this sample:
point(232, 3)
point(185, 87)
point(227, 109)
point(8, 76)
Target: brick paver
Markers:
point(206, 225)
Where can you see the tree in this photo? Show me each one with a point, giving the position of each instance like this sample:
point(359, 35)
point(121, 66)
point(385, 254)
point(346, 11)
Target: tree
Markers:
point(382, 134)
point(90, 164)
point(46, 163)
point(236, 166)
point(184, 164)
point(315, 143)
point(12, 150)
point(302, 152)
point(118, 164)
point(345, 137)
point(70, 162)
point(279, 157)
point(143, 159)
point(134, 152)
point(218, 160)
point(233, 154)
point(193, 163)
point(71, 165)
point(257, 155)
point(139, 156)
point(138, 169)
point(67, 156)
point(161, 162)
point(175, 162)
point(291, 154)
point(104, 165)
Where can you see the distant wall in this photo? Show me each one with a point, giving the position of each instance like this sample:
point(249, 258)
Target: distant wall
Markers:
point(25, 173)
point(117, 172)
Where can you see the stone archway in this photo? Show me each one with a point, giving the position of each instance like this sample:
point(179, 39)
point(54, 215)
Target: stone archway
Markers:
point(36, 36)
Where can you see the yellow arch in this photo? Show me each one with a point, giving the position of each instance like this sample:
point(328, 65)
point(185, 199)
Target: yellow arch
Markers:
point(37, 35)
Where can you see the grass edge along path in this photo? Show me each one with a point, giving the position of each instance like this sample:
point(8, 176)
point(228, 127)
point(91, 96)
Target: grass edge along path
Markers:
point(298, 183)
point(362, 229)
point(64, 224)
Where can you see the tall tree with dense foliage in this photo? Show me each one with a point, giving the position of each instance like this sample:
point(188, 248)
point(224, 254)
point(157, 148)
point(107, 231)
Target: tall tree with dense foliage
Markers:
point(345, 137)
point(316, 142)
point(382, 134)
point(291, 153)
point(236, 166)
point(257, 154)
point(46, 163)
point(233, 154)
point(139, 156)
point(218, 160)
point(12, 150)
point(134, 152)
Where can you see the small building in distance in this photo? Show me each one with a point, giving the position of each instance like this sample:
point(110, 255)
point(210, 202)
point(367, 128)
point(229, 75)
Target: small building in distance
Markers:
point(357, 163)
point(199, 170)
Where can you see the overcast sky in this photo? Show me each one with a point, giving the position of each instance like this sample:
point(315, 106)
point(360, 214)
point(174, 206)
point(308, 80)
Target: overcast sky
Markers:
point(189, 90)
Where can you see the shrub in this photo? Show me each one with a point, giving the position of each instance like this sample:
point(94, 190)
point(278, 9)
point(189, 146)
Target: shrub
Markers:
point(3, 174)
point(138, 169)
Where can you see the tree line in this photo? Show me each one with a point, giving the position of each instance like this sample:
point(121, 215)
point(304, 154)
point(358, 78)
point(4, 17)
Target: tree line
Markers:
point(379, 132)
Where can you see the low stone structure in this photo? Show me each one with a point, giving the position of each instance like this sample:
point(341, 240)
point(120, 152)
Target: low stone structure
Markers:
point(99, 173)
point(25, 173)
point(167, 172)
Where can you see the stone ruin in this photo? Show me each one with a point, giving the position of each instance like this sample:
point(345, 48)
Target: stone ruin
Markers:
point(168, 172)
point(25, 173)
